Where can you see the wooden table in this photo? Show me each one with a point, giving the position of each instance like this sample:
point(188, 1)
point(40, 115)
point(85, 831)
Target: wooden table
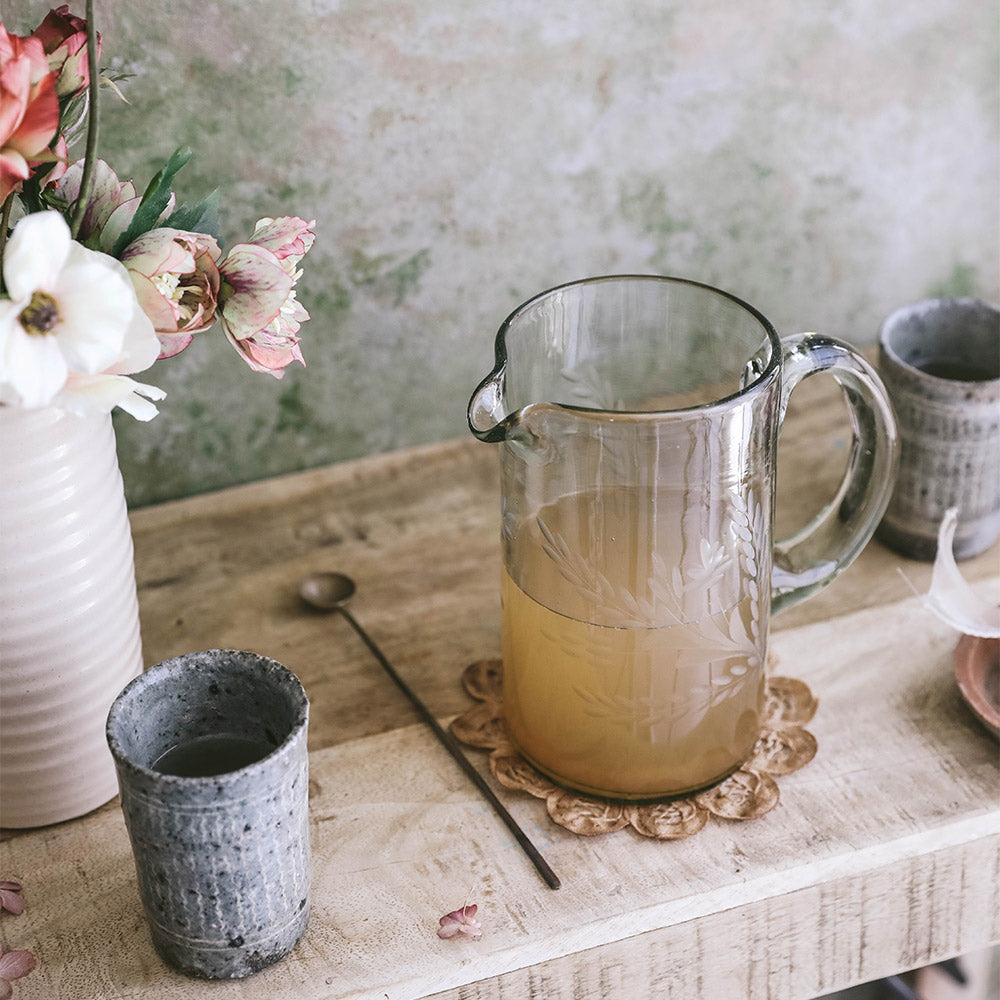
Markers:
point(882, 854)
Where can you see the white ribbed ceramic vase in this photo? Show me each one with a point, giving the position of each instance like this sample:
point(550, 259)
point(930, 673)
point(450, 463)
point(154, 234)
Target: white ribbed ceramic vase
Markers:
point(69, 618)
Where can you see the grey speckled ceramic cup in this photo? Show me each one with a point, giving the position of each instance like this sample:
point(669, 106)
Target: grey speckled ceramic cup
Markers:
point(940, 361)
point(222, 859)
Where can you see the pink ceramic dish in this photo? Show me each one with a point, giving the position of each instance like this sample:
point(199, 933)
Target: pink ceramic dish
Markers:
point(977, 670)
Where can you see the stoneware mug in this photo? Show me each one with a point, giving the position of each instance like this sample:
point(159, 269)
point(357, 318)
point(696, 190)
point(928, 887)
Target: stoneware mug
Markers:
point(210, 750)
point(940, 362)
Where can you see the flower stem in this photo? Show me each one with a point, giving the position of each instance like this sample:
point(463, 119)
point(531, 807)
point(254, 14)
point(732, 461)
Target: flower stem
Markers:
point(87, 180)
point(4, 224)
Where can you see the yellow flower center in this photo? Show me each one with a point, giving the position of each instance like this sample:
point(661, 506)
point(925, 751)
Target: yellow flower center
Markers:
point(40, 315)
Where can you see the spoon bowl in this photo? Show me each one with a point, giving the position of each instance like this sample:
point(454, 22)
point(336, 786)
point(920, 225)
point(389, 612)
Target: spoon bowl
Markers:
point(326, 591)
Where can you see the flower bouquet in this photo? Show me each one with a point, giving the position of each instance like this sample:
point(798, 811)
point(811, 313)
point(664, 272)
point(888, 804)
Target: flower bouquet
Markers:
point(97, 282)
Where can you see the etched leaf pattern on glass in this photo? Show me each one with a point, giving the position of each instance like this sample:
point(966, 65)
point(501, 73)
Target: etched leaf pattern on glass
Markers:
point(588, 386)
point(710, 600)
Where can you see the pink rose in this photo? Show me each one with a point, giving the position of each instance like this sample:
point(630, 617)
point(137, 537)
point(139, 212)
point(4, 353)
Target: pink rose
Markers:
point(55, 158)
point(29, 109)
point(260, 315)
point(176, 279)
point(64, 38)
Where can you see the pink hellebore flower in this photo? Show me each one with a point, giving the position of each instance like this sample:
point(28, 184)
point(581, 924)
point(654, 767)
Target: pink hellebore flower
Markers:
point(288, 238)
point(64, 38)
point(176, 279)
point(13, 965)
point(29, 109)
point(260, 314)
point(111, 207)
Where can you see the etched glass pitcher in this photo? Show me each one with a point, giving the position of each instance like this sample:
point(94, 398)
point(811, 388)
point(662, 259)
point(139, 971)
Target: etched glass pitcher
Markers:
point(638, 419)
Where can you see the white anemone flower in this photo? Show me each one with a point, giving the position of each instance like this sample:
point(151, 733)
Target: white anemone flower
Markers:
point(72, 328)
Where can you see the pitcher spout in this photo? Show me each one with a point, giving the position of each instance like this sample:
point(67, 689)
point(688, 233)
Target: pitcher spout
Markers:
point(487, 417)
point(531, 432)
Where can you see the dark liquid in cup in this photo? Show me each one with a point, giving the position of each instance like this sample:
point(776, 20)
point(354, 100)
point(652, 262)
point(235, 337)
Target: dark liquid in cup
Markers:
point(957, 371)
point(205, 756)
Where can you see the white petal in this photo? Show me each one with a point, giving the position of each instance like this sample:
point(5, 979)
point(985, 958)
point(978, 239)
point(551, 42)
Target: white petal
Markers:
point(33, 367)
point(102, 393)
point(140, 346)
point(950, 597)
point(8, 321)
point(35, 254)
point(95, 306)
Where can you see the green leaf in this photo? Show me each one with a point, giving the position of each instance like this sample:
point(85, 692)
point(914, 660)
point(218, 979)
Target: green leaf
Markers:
point(154, 201)
point(202, 217)
point(72, 111)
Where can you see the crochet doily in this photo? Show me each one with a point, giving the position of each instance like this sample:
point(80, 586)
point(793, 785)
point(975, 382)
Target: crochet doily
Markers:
point(784, 746)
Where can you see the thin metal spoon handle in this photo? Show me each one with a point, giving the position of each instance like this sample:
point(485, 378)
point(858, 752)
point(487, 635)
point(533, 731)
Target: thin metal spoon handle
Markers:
point(451, 745)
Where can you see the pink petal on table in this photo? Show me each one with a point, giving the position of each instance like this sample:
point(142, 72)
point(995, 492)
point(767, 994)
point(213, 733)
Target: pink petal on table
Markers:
point(14, 964)
point(461, 921)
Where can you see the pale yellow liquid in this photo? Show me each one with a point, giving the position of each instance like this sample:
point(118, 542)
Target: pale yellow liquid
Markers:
point(596, 699)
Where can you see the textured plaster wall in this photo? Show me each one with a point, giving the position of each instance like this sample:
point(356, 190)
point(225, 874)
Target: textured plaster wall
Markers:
point(827, 161)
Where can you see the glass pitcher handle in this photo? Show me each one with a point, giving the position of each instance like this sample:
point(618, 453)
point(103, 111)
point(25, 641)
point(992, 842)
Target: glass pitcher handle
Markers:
point(827, 545)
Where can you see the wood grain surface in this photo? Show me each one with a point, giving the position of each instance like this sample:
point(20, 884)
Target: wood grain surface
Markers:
point(882, 854)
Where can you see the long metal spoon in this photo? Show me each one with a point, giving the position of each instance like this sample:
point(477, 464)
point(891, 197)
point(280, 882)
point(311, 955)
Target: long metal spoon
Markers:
point(329, 592)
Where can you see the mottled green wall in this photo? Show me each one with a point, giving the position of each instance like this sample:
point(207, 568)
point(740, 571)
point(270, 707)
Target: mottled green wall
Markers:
point(826, 161)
